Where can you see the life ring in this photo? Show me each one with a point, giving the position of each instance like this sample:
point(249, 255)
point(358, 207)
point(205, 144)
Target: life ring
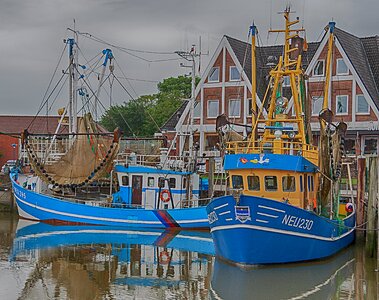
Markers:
point(164, 258)
point(165, 196)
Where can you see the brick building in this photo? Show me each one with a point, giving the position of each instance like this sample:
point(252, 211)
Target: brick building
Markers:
point(11, 128)
point(225, 88)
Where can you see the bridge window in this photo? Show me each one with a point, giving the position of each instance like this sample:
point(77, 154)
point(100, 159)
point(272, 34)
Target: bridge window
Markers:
point(150, 181)
point(288, 183)
point(271, 183)
point(237, 181)
point(253, 183)
point(125, 180)
point(172, 183)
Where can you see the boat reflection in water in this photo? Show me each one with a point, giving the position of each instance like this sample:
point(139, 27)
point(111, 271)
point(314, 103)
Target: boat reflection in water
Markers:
point(102, 262)
point(317, 280)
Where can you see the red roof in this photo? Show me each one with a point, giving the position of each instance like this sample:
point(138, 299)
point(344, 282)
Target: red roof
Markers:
point(39, 124)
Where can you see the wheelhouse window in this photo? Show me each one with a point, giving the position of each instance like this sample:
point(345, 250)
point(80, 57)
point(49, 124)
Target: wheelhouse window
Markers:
point(172, 183)
point(317, 105)
point(234, 108)
point(319, 69)
point(213, 108)
point(234, 74)
point(125, 180)
point(362, 105)
point(271, 183)
point(237, 181)
point(150, 181)
point(253, 183)
point(341, 105)
point(289, 183)
point(214, 75)
point(342, 68)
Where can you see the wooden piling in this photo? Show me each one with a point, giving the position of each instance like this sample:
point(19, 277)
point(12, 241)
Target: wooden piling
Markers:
point(372, 205)
point(361, 164)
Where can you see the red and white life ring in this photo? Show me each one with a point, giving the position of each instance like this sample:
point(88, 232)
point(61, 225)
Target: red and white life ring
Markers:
point(165, 196)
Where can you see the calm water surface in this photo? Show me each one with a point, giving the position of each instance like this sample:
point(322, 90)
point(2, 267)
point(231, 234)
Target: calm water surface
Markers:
point(40, 261)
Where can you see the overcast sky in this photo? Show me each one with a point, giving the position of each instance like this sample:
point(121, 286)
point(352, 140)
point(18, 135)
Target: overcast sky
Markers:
point(32, 31)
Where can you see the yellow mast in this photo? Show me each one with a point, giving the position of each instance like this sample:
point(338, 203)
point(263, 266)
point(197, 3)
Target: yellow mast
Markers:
point(254, 112)
point(292, 69)
point(325, 104)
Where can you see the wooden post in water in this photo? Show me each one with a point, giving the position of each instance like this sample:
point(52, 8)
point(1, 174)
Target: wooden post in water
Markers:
point(211, 176)
point(361, 163)
point(372, 205)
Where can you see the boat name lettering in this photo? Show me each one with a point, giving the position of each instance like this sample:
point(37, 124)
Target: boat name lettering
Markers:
point(19, 193)
point(297, 222)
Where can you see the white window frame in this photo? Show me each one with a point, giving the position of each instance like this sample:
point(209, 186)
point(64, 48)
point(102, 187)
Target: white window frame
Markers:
point(356, 106)
point(347, 105)
point(218, 106)
point(323, 68)
point(239, 109)
point(369, 137)
point(230, 74)
point(347, 68)
point(318, 97)
point(211, 72)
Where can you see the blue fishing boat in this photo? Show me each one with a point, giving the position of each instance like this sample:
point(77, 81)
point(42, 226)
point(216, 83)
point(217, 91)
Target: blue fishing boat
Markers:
point(285, 203)
point(79, 175)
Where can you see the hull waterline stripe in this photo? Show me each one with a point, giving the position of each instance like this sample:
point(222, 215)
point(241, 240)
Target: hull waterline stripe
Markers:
point(286, 232)
point(101, 218)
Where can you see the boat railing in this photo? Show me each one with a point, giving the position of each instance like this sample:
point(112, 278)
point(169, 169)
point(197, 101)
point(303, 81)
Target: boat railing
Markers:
point(309, 152)
point(178, 163)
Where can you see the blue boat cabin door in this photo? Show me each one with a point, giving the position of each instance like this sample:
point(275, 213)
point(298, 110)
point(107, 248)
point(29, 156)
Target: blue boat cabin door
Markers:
point(137, 189)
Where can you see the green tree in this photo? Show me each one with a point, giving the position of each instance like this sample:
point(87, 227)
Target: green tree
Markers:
point(145, 115)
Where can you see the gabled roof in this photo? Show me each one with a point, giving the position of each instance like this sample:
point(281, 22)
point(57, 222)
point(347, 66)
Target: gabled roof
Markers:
point(39, 124)
point(363, 54)
point(242, 51)
point(173, 120)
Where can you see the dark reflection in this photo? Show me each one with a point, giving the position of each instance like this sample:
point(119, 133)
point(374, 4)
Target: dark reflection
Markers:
point(94, 262)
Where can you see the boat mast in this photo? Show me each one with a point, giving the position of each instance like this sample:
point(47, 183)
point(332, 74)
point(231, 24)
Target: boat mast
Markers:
point(108, 56)
point(291, 68)
point(73, 84)
point(253, 30)
point(325, 104)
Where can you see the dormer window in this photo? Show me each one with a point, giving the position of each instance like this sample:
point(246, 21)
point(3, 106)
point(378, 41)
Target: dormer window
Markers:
point(319, 69)
point(214, 75)
point(342, 68)
point(234, 74)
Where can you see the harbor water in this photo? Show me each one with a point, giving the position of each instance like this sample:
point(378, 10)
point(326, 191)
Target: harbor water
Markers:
point(41, 261)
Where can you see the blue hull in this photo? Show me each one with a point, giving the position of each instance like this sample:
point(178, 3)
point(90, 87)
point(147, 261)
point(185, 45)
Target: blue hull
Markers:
point(263, 231)
point(40, 207)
